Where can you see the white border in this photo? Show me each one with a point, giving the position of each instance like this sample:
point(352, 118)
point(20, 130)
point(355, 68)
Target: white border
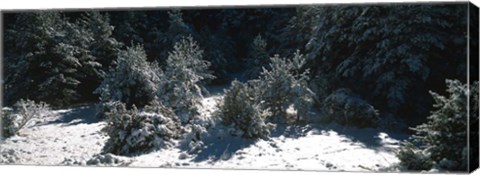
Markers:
point(62, 170)
point(86, 4)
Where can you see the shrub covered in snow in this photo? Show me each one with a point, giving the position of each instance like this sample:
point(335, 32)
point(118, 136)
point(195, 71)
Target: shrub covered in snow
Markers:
point(20, 116)
point(102, 109)
point(199, 128)
point(344, 107)
point(239, 108)
point(413, 158)
point(134, 81)
point(442, 139)
point(283, 85)
point(106, 160)
point(135, 131)
point(186, 71)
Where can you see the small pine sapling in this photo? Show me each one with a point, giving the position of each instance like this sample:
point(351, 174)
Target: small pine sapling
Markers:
point(187, 72)
point(240, 109)
point(285, 84)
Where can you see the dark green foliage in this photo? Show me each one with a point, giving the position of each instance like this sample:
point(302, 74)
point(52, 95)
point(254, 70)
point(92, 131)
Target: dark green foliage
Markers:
point(104, 47)
point(65, 53)
point(219, 51)
point(7, 120)
point(384, 53)
point(296, 34)
point(443, 138)
point(137, 131)
point(175, 32)
point(258, 58)
point(241, 109)
point(243, 25)
point(34, 44)
point(344, 107)
point(413, 158)
point(142, 27)
point(474, 124)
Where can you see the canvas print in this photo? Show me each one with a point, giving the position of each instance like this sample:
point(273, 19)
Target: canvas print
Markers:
point(389, 87)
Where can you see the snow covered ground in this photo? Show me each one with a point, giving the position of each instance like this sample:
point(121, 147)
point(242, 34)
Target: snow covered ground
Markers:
point(74, 137)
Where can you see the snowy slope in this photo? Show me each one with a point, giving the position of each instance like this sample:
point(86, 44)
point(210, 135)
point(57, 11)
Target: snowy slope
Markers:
point(69, 134)
point(73, 137)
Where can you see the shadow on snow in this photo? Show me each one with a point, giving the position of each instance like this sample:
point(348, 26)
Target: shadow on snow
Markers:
point(371, 138)
point(79, 115)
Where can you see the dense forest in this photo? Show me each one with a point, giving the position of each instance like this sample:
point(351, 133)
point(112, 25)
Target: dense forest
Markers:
point(389, 66)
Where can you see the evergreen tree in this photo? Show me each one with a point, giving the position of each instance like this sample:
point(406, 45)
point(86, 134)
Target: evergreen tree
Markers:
point(46, 42)
point(258, 58)
point(134, 81)
point(442, 139)
point(103, 47)
point(175, 32)
point(297, 32)
point(285, 84)
point(219, 51)
point(393, 60)
point(239, 108)
point(186, 71)
point(141, 27)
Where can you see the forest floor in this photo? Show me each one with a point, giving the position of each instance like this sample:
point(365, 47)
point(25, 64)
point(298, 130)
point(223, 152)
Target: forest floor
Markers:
point(74, 136)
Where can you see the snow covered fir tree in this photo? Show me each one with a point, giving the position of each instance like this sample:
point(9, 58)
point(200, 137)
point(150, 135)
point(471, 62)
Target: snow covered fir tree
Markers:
point(374, 87)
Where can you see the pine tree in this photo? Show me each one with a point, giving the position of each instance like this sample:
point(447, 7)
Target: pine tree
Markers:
point(258, 58)
point(220, 52)
point(296, 34)
point(442, 139)
point(393, 59)
point(175, 32)
point(134, 81)
point(72, 56)
point(285, 84)
point(46, 42)
point(186, 71)
point(103, 47)
point(241, 109)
